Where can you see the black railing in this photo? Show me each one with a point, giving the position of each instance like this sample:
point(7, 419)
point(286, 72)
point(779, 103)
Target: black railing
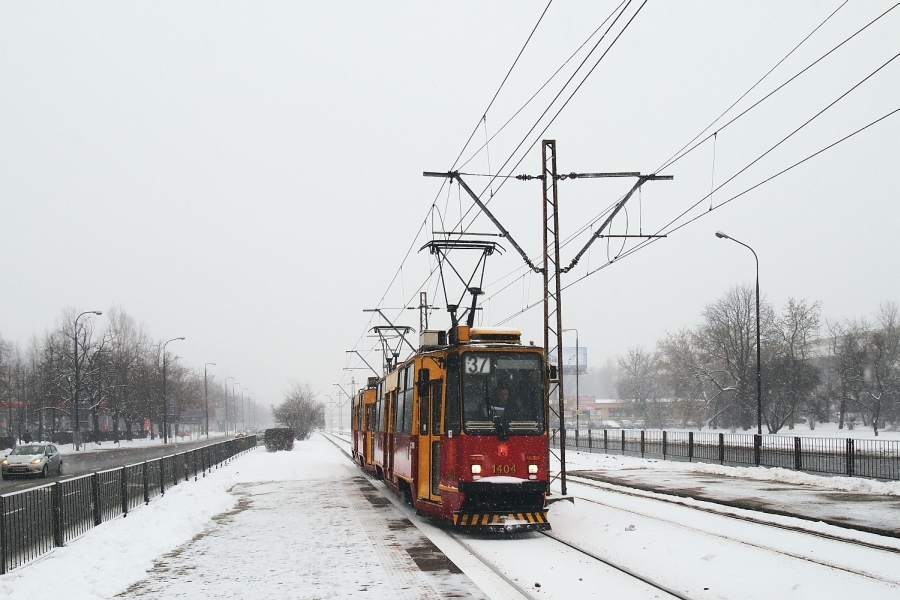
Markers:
point(878, 459)
point(34, 521)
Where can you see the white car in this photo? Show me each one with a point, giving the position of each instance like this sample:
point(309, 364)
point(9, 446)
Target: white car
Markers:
point(32, 459)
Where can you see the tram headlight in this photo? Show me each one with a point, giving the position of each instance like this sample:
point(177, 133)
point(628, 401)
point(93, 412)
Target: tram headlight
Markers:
point(476, 469)
point(532, 469)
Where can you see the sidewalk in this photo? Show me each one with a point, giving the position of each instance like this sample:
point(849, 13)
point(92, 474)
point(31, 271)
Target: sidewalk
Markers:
point(854, 503)
point(300, 524)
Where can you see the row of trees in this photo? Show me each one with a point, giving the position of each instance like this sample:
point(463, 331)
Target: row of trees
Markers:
point(113, 367)
point(846, 371)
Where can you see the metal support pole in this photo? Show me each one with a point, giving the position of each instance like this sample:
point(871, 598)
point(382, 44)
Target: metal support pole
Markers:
point(553, 289)
point(206, 396)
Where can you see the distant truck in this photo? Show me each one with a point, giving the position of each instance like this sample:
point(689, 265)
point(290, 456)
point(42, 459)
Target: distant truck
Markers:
point(279, 438)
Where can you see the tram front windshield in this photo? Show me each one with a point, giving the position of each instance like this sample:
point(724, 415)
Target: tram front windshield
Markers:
point(502, 389)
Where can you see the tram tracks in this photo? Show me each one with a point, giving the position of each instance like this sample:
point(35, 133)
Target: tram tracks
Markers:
point(745, 542)
point(474, 546)
point(500, 571)
point(678, 501)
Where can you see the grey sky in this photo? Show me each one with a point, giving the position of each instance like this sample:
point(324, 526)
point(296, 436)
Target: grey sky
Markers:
point(248, 175)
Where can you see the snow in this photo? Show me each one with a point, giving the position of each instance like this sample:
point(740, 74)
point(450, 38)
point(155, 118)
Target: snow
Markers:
point(307, 524)
point(501, 479)
point(266, 525)
point(588, 461)
point(135, 443)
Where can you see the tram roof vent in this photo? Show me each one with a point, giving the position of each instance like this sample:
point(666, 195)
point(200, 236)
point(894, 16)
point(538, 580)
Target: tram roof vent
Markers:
point(432, 338)
point(503, 336)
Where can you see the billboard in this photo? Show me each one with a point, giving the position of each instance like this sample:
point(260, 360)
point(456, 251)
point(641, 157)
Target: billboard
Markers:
point(570, 360)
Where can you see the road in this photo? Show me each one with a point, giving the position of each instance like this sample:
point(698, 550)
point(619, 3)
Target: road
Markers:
point(82, 463)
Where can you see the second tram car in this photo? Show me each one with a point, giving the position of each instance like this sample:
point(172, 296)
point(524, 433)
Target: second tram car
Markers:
point(460, 429)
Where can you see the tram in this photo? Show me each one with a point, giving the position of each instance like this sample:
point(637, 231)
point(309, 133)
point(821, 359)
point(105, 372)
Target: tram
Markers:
point(459, 429)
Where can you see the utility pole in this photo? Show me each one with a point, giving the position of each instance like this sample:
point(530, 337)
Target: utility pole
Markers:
point(551, 268)
point(553, 292)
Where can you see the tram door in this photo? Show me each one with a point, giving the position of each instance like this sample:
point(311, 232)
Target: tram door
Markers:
point(430, 442)
point(370, 427)
point(391, 408)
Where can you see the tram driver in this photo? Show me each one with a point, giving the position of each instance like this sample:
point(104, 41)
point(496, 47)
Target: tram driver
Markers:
point(500, 401)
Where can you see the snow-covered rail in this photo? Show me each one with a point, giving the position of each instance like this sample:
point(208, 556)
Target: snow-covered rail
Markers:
point(732, 555)
point(740, 514)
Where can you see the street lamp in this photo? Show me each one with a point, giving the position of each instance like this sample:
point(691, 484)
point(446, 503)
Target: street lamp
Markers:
point(76, 436)
point(206, 396)
point(243, 423)
point(225, 383)
point(577, 372)
point(234, 404)
point(165, 401)
point(724, 236)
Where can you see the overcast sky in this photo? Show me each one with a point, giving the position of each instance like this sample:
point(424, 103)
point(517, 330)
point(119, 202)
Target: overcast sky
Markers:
point(249, 174)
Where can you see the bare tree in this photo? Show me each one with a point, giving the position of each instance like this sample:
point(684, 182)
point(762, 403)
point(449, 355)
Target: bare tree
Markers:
point(300, 411)
point(687, 380)
point(638, 383)
point(790, 378)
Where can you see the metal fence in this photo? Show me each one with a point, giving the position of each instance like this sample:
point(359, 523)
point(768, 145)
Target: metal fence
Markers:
point(34, 521)
point(837, 456)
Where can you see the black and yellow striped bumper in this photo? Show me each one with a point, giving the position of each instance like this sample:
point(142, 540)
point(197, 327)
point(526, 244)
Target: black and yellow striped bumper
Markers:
point(503, 521)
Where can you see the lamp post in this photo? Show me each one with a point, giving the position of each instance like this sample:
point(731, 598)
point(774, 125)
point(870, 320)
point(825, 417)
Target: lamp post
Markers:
point(243, 422)
point(76, 436)
point(165, 401)
point(724, 236)
point(577, 373)
point(206, 396)
point(225, 383)
point(234, 404)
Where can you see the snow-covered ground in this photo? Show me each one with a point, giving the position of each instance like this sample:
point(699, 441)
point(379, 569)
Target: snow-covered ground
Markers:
point(135, 443)
point(288, 525)
point(587, 461)
point(294, 524)
point(822, 430)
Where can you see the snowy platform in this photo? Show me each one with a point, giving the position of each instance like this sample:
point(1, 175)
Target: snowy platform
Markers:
point(300, 524)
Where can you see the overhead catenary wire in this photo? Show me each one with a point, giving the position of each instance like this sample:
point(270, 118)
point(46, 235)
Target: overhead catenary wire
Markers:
point(546, 83)
point(665, 229)
point(558, 95)
point(682, 153)
point(544, 113)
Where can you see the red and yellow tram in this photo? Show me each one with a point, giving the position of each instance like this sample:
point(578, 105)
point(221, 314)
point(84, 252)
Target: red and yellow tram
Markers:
point(460, 429)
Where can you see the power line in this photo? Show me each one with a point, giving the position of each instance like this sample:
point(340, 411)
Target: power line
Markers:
point(679, 155)
point(645, 243)
point(433, 206)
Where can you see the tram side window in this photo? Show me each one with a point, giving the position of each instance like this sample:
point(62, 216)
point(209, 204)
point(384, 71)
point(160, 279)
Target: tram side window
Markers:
point(451, 414)
point(379, 408)
point(408, 400)
point(401, 401)
point(436, 407)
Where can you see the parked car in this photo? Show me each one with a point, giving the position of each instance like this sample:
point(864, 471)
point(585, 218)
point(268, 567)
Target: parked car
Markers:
point(32, 459)
point(609, 425)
